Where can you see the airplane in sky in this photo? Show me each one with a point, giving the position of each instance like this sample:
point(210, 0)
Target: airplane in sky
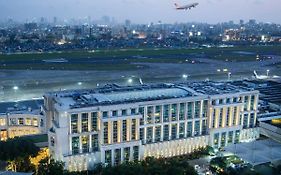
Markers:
point(186, 7)
point(263, 77)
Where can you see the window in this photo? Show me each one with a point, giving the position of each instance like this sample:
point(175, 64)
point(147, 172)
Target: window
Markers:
point(35, 122)
point(133, 127)
point(157, 133)
point(166, 132)
point(114, 113)
point(189, 110)
point(133, 111)
point(84, 122)
point(204, 127)
point(189, 129)
point(107, 157)
point(105, 133)
point(126, 154)
point(124, 131)
point(223, 139)
point(197, 109)
point(41, 122)
point(149, 135)
point(142, 134)
point(245, 121)
point(174, 131)
point(246, 100)
point(182, 111)
point(149, 114)
point(74, 123)
point(141, 111)
point(20, 121)
point(197, 128)
point(28, 121)
point(205, 108)
point(174, 112)
point(157, 114)
point(230, 137)
point(124, 112)
point(105, 114)
point(220, 117)
point(94, 116)
point(117, 157)
point(75, 145)
point(85, 144)
point(115, 131)
point(13, 121)
point(237, 136)
point(252, 102)
point(166, 113)
point(95, 142)
point(136, 153)
point(252, 120)
point(216, 140)
point(181, 130)
point(2, 122)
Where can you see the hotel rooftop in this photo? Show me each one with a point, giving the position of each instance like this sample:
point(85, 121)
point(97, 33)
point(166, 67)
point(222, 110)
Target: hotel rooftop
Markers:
point(114, 94)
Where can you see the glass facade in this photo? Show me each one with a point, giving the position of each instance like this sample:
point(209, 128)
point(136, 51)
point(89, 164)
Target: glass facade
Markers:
point(75, 145)
point(74, 123)
point(94, 117)
point(84, 122)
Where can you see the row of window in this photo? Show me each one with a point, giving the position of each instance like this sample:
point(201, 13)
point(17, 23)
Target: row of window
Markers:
point(117, 155)
point(81, 144)
point(123, 130)
point(86, 124)
point(231, 137)
point(173, 131)
point(22, 121)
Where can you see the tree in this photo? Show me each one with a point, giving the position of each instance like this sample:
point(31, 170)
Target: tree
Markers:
point(17, 152)
point(49, 166)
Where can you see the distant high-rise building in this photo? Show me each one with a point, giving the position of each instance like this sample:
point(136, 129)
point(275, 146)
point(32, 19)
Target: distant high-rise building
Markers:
point(55, 20)
point(127, 22)
point(241, 22)
point(252, 21)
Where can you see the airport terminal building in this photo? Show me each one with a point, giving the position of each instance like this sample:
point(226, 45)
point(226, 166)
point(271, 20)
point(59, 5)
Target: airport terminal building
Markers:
point(115, 124)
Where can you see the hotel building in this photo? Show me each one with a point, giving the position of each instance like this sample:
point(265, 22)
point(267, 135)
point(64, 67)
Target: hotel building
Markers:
point(116, 124)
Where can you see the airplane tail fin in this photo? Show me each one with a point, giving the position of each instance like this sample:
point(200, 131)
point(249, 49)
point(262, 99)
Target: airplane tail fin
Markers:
point(176, 5)
point(255, 74)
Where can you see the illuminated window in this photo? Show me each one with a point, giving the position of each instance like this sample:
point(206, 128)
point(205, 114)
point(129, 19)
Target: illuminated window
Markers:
point(237, 136)
point(2, 122)
point(85, 144)
point(75, 145)
point(141, 111)
point(157, 114)
point(115, 131)
point(216, 139)
point(133, 128)
point(223, 139)
point(230, 137)
point(142, 134)
point(3, 135)
point(74, 123)
point(124, 130)
point(84, 122)
point(35, 122)
point(28, 121)
point(20, 121)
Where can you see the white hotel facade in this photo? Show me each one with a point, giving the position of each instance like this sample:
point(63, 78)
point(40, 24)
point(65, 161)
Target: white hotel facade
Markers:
point(116, 124)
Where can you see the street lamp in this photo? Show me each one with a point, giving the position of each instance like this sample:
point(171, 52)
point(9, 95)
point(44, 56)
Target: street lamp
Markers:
point(15, 88)
point(185, 76)
point(267, 72)
point(79, 83)
point(229, 75)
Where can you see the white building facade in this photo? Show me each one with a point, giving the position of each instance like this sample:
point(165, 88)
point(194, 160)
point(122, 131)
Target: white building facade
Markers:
point(113, 124)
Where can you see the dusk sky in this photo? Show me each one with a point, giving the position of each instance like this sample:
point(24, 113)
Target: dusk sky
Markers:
point(143, 11)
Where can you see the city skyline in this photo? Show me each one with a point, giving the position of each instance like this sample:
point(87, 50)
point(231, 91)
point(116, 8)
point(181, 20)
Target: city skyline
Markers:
point(261, 10)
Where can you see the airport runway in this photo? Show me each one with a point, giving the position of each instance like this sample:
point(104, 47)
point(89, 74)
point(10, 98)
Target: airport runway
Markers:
point(26, 84)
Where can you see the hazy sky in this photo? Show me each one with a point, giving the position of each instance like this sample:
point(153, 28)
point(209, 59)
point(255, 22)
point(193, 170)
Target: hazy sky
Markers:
point(144, 11)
